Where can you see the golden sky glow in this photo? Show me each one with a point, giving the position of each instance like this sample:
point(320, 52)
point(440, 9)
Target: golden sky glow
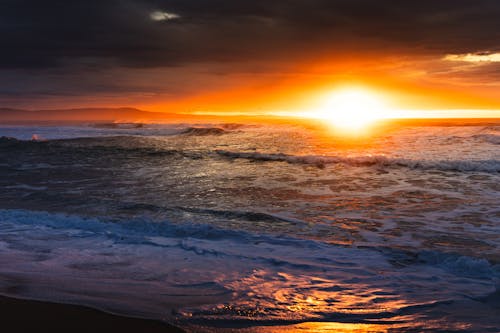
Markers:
point(408, 87)
point(425, 60)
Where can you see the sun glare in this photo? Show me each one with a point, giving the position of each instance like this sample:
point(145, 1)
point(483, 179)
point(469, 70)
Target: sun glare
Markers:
point(353, 109)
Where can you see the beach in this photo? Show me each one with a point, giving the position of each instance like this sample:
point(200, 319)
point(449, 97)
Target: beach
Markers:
point(28, 316)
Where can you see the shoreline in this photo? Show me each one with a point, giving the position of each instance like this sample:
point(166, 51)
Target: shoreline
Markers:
point(20, 315)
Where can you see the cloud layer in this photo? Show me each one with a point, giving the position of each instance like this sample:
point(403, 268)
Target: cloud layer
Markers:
point(92, 37)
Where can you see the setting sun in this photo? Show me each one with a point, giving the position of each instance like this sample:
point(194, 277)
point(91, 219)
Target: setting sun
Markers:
point(353, 108)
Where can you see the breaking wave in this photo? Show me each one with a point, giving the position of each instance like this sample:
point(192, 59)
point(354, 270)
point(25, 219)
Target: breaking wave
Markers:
point(320, 161)
point(203, 131)
point(490, 166)
point(119, 125)
point(489, 138)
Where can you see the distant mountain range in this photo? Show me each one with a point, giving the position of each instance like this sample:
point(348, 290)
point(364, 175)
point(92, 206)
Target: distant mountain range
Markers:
point(132, 115)
point(12, 116)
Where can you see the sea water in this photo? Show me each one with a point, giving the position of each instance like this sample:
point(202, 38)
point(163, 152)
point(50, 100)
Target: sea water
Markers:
point(221, 227)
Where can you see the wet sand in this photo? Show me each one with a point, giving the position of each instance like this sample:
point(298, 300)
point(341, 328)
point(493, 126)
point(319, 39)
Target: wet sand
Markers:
point(31, 316)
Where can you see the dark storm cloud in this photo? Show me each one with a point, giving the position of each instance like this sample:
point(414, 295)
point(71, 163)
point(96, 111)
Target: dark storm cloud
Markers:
point(47, 34)
point(59, 49)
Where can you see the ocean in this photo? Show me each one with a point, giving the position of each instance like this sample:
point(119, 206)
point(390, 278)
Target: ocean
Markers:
point(255, 227)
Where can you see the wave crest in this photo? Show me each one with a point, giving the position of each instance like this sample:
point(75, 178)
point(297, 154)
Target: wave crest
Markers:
point(489, 138)
point(490, 166)
point(203, 131)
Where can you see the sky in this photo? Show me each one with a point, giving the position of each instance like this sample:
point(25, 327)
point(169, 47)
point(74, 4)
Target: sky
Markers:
point(247, 56)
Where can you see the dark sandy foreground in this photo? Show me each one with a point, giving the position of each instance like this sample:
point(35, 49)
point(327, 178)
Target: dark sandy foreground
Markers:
point(34, 316)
